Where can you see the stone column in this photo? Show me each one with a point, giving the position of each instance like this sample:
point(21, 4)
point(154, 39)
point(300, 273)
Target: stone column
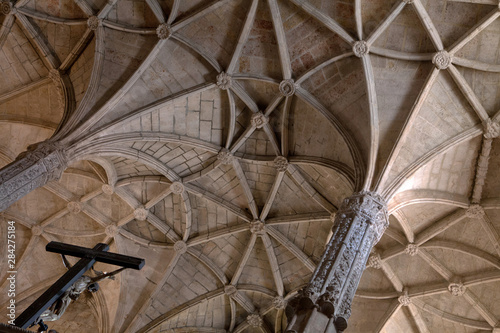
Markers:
point(41, 163)
point(324, 305)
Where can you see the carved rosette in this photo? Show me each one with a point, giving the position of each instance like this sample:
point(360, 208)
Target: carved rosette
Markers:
point(491, 129)
point(281, 163)
point(111, 230)
point(107, 189)
point(360, 48)
point(74, 207)
point(456, 289)
point(254, 320)
point(163, 31)
point(177, 188)
point(257, 227)
point(374, 261)
point(36, 230)
point(475, 211)
point(279, 303)
point(6, 7)
point(259, 120)
point(287, 87)
point(359, 224)
point(180, 247)
point(225, 156)
point(141, 214)
point(404, 299)
point(93, 23)
point(441, 60)
point(411, 249)
point(223, 81)
point(230, 290)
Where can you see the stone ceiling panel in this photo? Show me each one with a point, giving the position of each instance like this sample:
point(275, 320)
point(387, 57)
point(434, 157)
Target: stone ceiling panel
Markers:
point(456, 305)
point(81, 71)
point(413, 270)
point(421, 216)
point(366, 314)
point(133, 13)
point(60, 8)
point(374, 13)
point(486, 87)
point(400, 322)
point(484, 47)
point(492, 186)
point(460, 263)
point(257, 270)
point(340, 11)
point(260, 178)
point(126, 168)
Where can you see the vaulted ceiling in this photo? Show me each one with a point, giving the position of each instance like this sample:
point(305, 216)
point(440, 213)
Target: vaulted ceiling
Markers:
point(217, 139)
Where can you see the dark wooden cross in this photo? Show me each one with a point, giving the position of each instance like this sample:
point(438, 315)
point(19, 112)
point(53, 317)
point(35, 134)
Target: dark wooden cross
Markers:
point(89, 257)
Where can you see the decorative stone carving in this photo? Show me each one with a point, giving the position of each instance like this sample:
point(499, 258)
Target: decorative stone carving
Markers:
point(254, 320)
point(36, 230)
point(141, 214)
point(332, 217)
point(107, 189)
point(404, 299)
point(180, 247)
point(259, 120)
point(475, 211)
point(6, 7)
point(224, 81)
point(374, 261)
point(360, 48)
point(163, 31)
point(408, 2)
point(225, 156)
point(74, 207)
point(93, 22)
point(257, 227)
point(177, 188)
point(359, 224)
point(111, 230)
point(279, 303)
point(281, 163)
point(230, 290)
point(491, 129)
point(441, 59)
point(456, 289)
point(411, 249)
point(287, 87)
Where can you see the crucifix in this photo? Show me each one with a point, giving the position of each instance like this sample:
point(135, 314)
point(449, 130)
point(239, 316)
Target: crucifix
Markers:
point(73, 277)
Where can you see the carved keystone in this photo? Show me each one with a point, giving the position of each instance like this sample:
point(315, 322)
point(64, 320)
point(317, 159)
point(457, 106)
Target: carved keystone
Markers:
point(254, 320)
point(374, 261)
point(180, 247)
point(93, 22)
point(177, 188)
point(225, 156)
point(411, 249)
point(281, 163)
point(107, 189)
point(111, 230)
point(230, 290)
point(287, 87)
point(441, 60)
point(257, 227)
point(360, 48)
point(279, 303)
point(404, 299)
point(141, 214)
point(6, 7)
point(223, 81)
point(259, 120)
point(475, 211)
point(163, 31)
point(36, 230)
point(491, 129)
point(74, 207)
point(456, 289)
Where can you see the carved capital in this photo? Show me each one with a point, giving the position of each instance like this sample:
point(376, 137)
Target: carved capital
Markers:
point(456, 288)
point(74, 207)
point(180, 247)
point(360, 48)
point(287, 87)
point(141, 214)
point(491, 129)
point(107, 189)
point(475, 211)
point(374, 261)
point(230, 290)
point(225, 156)
point(411, 249)
point(163, 31)
point(257, 227)
point(111, 230)
point(281, 163)
point(259, 120)
point(224, 81)
point(177, 188)
point(254, 320)
point(93, 23)
point(441, 59)
point(279, 303)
